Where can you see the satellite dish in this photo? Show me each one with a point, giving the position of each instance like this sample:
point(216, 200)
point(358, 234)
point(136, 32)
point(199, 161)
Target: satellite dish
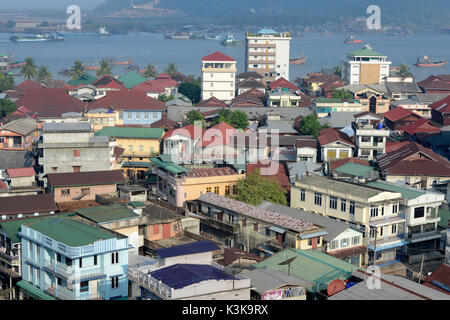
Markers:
point(335, 286)
point(288, 261)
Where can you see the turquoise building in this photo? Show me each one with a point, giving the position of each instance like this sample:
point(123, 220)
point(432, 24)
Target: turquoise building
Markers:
point(71, 260)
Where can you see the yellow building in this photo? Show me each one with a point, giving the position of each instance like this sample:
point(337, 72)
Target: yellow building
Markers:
point(139, 144)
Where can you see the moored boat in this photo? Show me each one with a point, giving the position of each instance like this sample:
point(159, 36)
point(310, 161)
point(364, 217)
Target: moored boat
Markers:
point(299, 60)
point(427, 62)
point(36, 38)
point(230, 41)
point(352, 40)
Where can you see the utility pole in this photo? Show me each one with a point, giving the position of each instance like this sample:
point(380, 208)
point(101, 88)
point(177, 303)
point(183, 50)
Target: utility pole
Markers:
point(421, 267)
point(375, 247)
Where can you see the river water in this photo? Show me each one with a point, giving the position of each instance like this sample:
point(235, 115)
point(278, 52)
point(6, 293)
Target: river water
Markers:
point(144, 48)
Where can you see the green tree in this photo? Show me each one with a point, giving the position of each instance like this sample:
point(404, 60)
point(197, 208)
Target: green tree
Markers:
point(341, 94)
point(224, 116)
point(337, 70)
point(6, 107)
point(403, 71)
point(193, 116)
point(104, 68)
point(171, 69)
point(150, 71)
point(310, 125)
point(239, 119)
point(77, 70)
point(165, 98)
point(43, 74)
point(29, 70)
point(253, 189)
point(195, 80)
point(190, 90)
point(6, 82)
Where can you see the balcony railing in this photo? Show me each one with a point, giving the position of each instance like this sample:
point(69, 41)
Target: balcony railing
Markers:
point(75, 274)
point(66, 294)
point(145, 280)
point(8, 258)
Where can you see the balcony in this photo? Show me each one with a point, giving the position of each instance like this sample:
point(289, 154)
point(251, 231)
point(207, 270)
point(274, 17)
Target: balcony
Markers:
point(63, 293)
point(10, 259)
point(229, 227)
point(423, 236)
point(153, 285)
point(69, 272)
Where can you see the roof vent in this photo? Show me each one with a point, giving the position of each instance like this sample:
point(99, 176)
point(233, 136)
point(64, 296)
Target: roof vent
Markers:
point(368, 47)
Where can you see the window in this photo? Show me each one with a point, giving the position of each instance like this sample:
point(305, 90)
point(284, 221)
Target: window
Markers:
point(373, 211)
point(333, 203)
point(95, 260)
point(352, 207)
point(155, 116)
point(419, 212)
point(130, 147)
point(58, 257)
point(255, 226)
point(129, 115)
point(382, 210)
point(212, 84)
point(310, 242)
point(65, 192)
point(302, 195)
point(146, 115)
point(395, 207)
point(268, 232)
point(365, 139)
point(317, 198)
point(372, 233)
point(60, 281)
point(81, 262)
point(344, 242)
point(76, 168)
point(394, 228)
point(244, 222)
point(234, 189)
point(141, 148)
point(55, 169)
point(355, 240)
point(138, 115)
point(227, 190)
point(86, 191)
point(114, 282)
point(68, 262)
point(334, 244)
point(114, 257)
point(76, 153)
point(343, 205)
point(84, 286)
point(381, 231)
point(216, 190)
point(208, 189)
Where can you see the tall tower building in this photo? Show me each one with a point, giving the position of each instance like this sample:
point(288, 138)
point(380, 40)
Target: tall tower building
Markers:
point(218, 76)
point(267, 52)
point(365, 66)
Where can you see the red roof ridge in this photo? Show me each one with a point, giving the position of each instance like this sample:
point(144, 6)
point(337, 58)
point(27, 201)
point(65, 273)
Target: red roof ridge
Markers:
point(217, 56)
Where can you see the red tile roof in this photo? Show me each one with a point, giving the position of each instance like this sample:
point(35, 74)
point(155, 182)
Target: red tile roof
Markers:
point(330, 135)
point(50, 102)
point(108, 81)
point(165, 122)
point(85, 178)
point(421, 125)
point(441, 106)
point(41, 203)
point(148, 86)
point(127, 100)
point(212, 102)
point(441, 275)
point(391, 146)
point(21, 172)
point(26, 85)
point(218, 135)
point(396, 114)
point(305, 143)
point(281, 177)
point(350, 252)
point(164, 81)
point(440, 82)
point(190, 131)
point(217, 56)
point(283, 83)
point(210, 172)
point(231, 255)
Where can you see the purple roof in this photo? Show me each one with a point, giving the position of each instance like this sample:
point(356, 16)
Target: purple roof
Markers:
point(188, 248)
point(182, 275)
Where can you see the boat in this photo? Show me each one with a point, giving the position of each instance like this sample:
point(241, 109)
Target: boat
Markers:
point(230, 41)
point(120, 63)
point(351, 40)
point(427, 62)
point(101, 32)
point(299, 60)
point(212, 37)
point(92, 67)
point(16, 64)
point(36, 38)
point(64, 72)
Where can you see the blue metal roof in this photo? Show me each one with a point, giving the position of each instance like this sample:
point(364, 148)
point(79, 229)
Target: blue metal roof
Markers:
point(389, 246)
point(188, 248)
point(267, 30)
point(182, 275)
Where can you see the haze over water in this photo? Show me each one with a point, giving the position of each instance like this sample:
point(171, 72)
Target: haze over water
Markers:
point(144, 48)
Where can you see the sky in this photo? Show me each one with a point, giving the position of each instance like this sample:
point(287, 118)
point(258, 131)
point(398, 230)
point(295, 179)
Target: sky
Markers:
point(48, 4)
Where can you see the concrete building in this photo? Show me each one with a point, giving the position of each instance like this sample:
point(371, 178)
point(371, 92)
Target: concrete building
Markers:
point(218, 77)
point(335, 144)
point(370, 135)
point(72, 147)
point(14, 207)
point(18, 134)
point(71, 260)
point(323, 106)
point(375, 212)
point(267, 52)
point(365, 66)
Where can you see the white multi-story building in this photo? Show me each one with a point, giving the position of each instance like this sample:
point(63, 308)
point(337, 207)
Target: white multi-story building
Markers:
point(267, 52)
point(365, 66)
point(370, 135)
point(218, 77)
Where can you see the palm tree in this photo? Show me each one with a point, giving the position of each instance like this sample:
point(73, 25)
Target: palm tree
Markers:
point(337, 70)
point(150, 71)
point(43, 74)
point(104, 68)
point(29, 69)
point(171, 69)
point(77, 70)
point(403, 71)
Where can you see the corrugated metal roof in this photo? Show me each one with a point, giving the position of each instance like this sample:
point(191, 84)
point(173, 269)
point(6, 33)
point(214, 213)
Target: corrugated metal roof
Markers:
point(34, 291)
point(21, 172)
point(188, 248)
point(265, 280)
point(109, 213)
point(131, 132)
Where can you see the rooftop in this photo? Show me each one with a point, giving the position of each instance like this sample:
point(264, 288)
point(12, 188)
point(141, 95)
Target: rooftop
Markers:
point(85, 178)
point(66, 127)
point(23, 126)
point(217, 56)
point(267, 280)
point(355, 169)
point(131, 132)
point(188, 248)
point(104, 214)
point(41, 203)
point(21, 172)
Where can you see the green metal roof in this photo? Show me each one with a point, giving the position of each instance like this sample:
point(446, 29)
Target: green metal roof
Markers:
point(169, 166)
point(354, 169)
point(109, 213)
point(445, 217)
point(136, 204)
point(34, 291)
point(406, 192)
point(131, 79)
point(136, 164)
point(366, 53)
point(86, 78)
point(312, 266)
point(130, 132)
point(70, 232)
point(12, 227)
